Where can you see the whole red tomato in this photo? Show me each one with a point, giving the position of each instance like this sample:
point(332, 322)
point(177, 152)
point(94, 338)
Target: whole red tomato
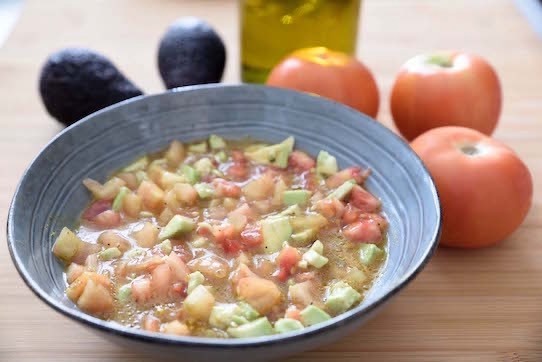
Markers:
point(445, 89)
point(330, 74)
point(485, 190)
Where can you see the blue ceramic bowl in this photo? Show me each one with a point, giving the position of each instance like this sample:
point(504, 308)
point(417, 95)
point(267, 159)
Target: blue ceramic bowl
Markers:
point(50, 195)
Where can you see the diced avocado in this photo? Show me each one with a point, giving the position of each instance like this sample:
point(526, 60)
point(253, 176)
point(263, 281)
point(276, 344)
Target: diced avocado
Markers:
point(290, 210)
point(315, 259)
point(204, 166)
point(341, 297)
point(221, 315)
point(256, 328)
point(66, 245)
point(245, 310)
point(318, 247)
point(284, 325)
point(166, 246)
point(276, 155)
point(369, 254)
point(312, 315)
point(190, 174)
point(275, 231)
point(216, 142)
point(295, 197)
point(355, 278)
point(224, 315)
point(221, 156)
point(138, 165)
point(199, 242)
point(194, 279)
point(326, 164)
point(109, 253)
point(117, 202)
point(198, 147)
point(141, 176)
point(342, 191)
point(303, 238)
point(205, 191)
point(134, 252)
point(314, 255)
point(177, 225)
point(199, 303)
point(124, 295)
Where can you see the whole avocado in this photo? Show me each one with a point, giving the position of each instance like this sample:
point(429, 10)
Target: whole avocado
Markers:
point(191, 52)
point(76, 82)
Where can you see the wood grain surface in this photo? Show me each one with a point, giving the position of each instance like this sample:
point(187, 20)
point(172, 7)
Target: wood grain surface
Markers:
point(466, 306)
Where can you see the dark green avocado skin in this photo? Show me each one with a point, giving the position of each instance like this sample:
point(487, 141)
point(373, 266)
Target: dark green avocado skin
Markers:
point(76, 82)
point(191, 52)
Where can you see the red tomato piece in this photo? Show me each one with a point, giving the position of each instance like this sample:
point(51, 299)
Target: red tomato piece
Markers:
point(226, 189)
point(363, 200)
point(351, 214)
point(300, 161)
point(251, 236)
point(363, 231)
point(349, 173)
point(97, 207)
point(107, 219)
point(287, 260)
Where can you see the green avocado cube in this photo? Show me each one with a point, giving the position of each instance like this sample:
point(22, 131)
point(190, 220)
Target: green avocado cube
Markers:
point(312, 315)
point(194, 279)
point(205, 191)
point(216, 142)
point(284, 325)
point(342, 191)
point(341, 297)
point(303, 238)
point(204, 166)
point(369, 254)
point(177, 225)
point(315, 259)
point(290, 210)
point(124, 294)
point(190, 174)
point(221, 156)
point(222, 315)
point(326, 164)
point(198, 147)
point(117, 202)
point(256, 328)
point(275, 231)
point(166, 246)
point(296, 197)
point(109, 254)
point(276, 155)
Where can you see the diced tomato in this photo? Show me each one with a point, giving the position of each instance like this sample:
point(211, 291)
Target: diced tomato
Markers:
point(238, 156)
point(287, 260)
point(150, 323)
point(245, 210)
point(237, 171)
point(178, 267)
point(161, 279)
point(141, 290)
point(228, 239)
point(363, 231)
point(330, 208)
point(349, 173)
point(107, 219)
point(96, 208)
point(351, 214)
point(300, 161)
point(251, 236)
point(293, 313)
point(309, 181)
point(178, 290)
point(363, 200)
point(226, 189)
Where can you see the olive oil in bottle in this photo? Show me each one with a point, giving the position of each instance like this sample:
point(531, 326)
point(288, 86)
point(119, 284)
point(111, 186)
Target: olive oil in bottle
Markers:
point(271, 29)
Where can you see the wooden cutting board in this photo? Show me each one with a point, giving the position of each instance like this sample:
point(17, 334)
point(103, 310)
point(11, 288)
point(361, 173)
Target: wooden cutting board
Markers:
point(466, 305)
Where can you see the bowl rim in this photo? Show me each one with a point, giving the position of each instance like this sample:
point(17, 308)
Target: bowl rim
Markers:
point(217, 343)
